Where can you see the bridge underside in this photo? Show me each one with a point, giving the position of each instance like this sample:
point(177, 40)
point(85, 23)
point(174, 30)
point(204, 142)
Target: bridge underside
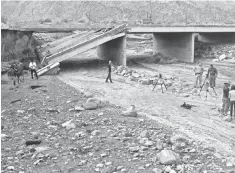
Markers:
point(178, 45)
point(217, 37)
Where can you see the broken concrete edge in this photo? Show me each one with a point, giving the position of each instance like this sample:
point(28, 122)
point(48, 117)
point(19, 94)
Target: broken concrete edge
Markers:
point(49, 69)
point(114, 31)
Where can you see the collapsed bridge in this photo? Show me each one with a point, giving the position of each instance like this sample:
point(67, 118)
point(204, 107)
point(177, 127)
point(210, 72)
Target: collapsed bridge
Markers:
point(111, 46)
point(174, 41)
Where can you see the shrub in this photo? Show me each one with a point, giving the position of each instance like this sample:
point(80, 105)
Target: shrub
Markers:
point(4, 19)
point(65, 20)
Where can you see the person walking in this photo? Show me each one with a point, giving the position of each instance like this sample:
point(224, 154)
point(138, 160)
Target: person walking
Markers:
point(33, 67)
point(213, 73)
point(109, 72)
point(198, 72)
point(226, 101)
point(232, 101)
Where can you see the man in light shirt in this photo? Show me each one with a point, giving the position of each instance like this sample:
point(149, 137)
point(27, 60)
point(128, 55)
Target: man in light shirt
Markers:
point(33, 67)
point(232, 101)
point(198, 72)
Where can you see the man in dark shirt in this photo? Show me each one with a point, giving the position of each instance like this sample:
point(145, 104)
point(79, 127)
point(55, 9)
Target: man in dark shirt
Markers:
point(212, 72)
point(226, 101)
point(109, 72)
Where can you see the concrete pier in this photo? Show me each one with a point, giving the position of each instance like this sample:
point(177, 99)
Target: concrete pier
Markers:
point(178, 45)
point(114, 50)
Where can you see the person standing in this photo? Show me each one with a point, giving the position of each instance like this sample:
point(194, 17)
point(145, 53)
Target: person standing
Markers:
point(109, 72)
point(198, 72)
point(232, 101)
point(33, 67)
point(212, 72)
point(226, 101)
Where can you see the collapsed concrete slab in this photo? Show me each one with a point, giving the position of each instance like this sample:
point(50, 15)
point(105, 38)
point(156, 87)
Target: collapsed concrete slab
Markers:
point(66, 48)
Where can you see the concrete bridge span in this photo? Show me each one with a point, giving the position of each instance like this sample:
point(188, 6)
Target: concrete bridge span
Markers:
point(178, 41)
point(174, 41)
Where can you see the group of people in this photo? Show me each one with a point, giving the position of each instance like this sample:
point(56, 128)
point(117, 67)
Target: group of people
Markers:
point(210, 76)
point(210, 81)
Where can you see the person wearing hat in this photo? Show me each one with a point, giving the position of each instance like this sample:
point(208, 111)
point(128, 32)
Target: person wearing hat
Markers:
point(198, 72)
point(213, 73)
point(226, 101)
point(232, 101)
point(109, 72)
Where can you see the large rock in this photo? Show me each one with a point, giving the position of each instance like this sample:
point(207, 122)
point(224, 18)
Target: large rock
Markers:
point(222, 57)
point(144, 134)
point(136, 75)
point(134, 149)
point(93, 100)
point(227, 118)
point(157, 170)
point(178, 139)
point(168, 157)
point(130, 112)
point(90, 106)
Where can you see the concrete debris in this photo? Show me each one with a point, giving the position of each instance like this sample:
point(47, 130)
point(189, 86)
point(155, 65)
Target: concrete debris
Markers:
point(90, 106)
point(130, 112)
point(168, 157)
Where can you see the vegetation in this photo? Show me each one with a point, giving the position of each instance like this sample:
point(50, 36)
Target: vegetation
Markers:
point(161, 12)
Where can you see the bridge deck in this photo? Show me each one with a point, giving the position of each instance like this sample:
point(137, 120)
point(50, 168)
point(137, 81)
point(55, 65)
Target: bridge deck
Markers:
point(132, 28)
point(190, 29)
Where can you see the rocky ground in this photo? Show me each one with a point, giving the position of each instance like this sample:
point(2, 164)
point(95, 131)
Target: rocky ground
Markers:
point(46, 129)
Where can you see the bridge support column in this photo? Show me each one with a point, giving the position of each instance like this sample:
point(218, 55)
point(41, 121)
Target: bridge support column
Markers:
point(178, 45)
point(216, 37)
point(114, 50)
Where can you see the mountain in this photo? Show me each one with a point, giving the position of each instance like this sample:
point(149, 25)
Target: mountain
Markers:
point(132, 12)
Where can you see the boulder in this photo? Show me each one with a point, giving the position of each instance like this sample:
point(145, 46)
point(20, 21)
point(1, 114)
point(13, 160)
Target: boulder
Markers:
point(93, 100)
point(69, 125)
point(144, 134)
point(178, 139)
point(157, 170)
point(222, 57)
point(136, 75)
point(134, 149)
point(227, 118)
point(90, 106)
point(168, 157)
point(78, 108)
point(130, 112)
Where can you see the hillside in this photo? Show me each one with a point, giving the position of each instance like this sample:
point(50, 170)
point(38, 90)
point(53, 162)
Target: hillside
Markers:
point(171, 12)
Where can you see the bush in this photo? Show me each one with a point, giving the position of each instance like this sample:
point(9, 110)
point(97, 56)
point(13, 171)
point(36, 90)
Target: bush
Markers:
point(4, 19)
point(47, 20)
point(65, 20)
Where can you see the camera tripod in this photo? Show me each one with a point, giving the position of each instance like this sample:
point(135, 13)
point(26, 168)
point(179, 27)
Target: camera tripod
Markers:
point(207, 88)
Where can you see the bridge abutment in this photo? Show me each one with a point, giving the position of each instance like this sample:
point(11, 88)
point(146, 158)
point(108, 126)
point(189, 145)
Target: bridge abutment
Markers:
point(114, 50)
point(178, 45)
